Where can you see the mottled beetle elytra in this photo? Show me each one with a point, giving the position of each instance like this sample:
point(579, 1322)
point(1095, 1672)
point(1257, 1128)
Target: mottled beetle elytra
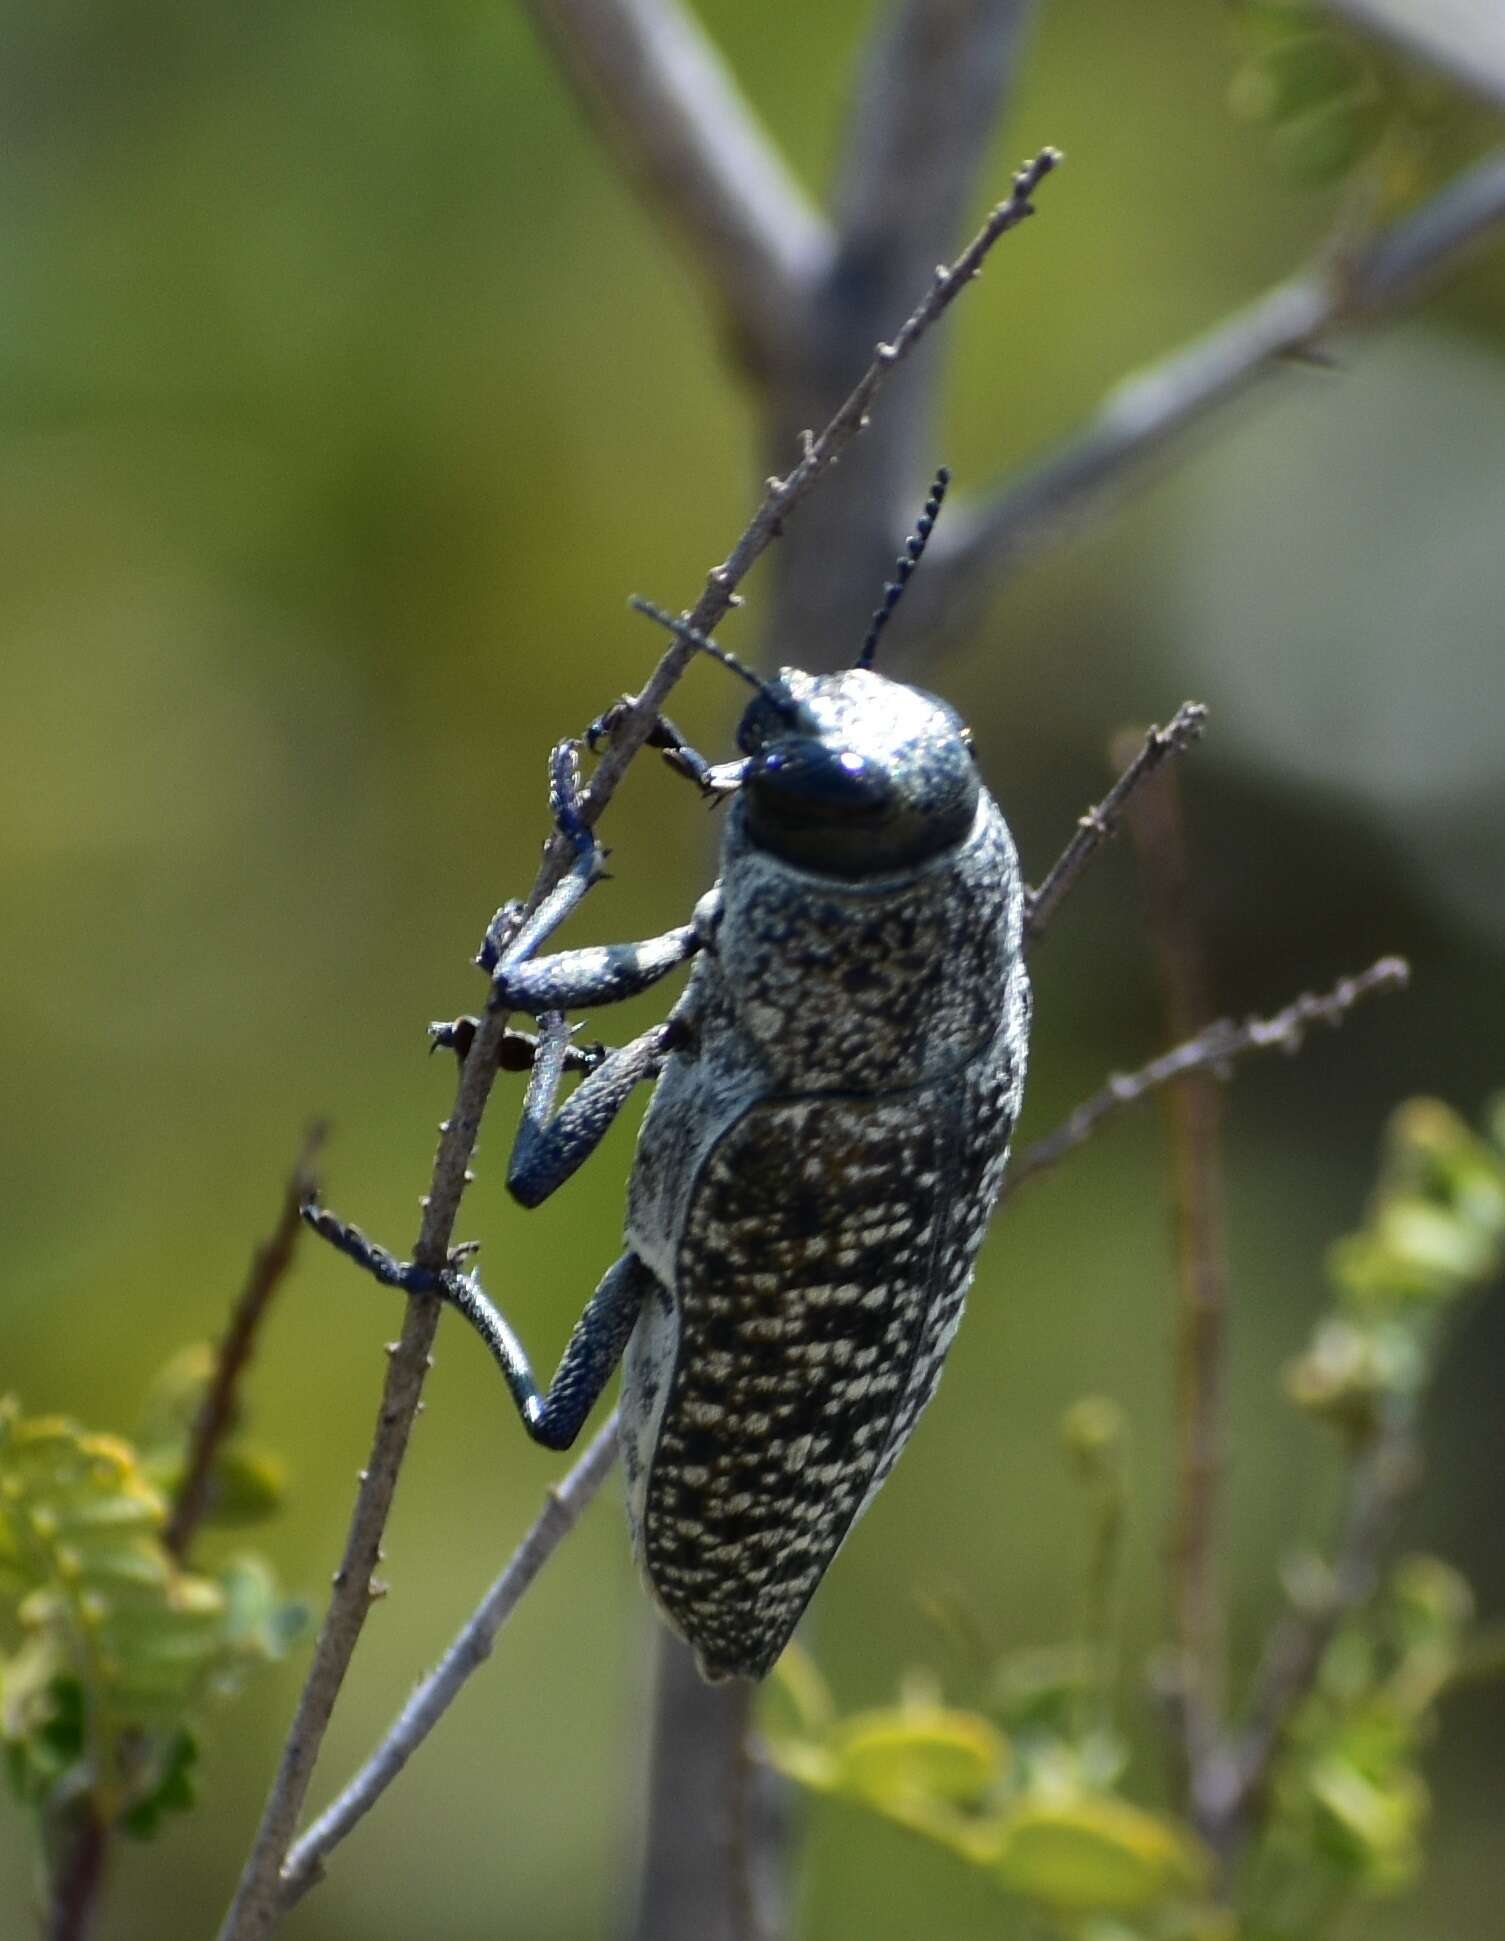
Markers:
point(836, 1089)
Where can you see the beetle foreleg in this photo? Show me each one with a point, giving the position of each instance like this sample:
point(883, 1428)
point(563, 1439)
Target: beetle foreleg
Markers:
point(711, 778)
point(550, 1146)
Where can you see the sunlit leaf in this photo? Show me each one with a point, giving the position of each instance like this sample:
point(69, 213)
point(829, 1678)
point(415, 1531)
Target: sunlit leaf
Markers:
point(1369, 1824)
point(1096, 1852)
point(919, 1752)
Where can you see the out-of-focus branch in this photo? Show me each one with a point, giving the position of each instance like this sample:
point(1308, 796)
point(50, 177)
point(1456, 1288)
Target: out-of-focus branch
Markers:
point(1098, 825)
point(1231, 1779)
point(1462, 40)
point(469, 1651)
point(928, 99)
point(982, 544)
point(703, 1777)
point(1194, 1116)
point(1215, 1050)
point(668, 106)
point(269, 1264)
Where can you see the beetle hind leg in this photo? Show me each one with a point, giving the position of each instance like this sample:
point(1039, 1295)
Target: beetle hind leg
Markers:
point(555, 1417)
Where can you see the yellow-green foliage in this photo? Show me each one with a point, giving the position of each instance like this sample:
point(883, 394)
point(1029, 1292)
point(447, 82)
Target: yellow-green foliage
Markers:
point(1435, 1233)
point(1034, 1810)
point(111, 1646)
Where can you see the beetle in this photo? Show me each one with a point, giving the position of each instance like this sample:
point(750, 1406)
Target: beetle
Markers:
point(835, 1093)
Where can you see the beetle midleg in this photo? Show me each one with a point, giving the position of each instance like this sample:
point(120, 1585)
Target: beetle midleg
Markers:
point(551, 1145)
point(594, 1349)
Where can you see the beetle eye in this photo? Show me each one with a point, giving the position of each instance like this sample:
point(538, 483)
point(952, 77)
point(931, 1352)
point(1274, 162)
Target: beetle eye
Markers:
point(806, 779)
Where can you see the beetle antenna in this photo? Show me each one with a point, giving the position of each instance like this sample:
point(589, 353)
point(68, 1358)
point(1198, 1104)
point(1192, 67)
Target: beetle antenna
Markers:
point(907, 561)
point(684, 631)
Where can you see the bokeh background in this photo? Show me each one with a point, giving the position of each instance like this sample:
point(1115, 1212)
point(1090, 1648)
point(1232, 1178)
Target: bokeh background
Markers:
point(346, 392)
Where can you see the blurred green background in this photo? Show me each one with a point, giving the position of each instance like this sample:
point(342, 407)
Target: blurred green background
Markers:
point(347, 391)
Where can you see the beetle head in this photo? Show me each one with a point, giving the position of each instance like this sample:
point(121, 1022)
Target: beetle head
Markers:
point(850, 774)
point(854, 775)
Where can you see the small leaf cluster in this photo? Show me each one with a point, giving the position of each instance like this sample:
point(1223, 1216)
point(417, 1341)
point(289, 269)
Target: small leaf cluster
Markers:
point(1435, 1234)
point(1337, 109)
point(1348, 1803)
point(1323, 97)
point(109, 1648)
point(1034, 1785)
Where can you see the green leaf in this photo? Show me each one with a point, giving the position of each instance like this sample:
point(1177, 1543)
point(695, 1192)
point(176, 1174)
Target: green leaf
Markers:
point(1302, 71)
point(170, 1790)
point(1094, 1852)
point(918, 1753)
point(175, 1397)
point(246, 1484)
point(1369, 1824)
point(1040, 1693)
point(1352, 1367)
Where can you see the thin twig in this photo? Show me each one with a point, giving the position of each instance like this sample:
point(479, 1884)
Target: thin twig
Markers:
point(647, 72)
point(982, 544)
point(258, 1901)
point(924, 111)
point(1216, 1050)
point(469, 1651)
point(1194, 1113)
point(216, 1412)
point(1099, 824)
point(1232, 1778)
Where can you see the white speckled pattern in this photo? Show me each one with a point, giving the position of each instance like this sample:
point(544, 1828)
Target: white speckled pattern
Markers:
point(813, 1181)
